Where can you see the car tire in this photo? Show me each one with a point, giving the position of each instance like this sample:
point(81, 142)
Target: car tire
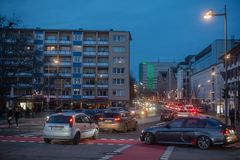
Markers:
point(76, 139)
point(203, 142)
point(95, 135)
point(47, 140)
point(125, 128)
point(149, 138)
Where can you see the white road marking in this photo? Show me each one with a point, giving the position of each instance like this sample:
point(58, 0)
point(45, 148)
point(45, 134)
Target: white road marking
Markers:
point(122, 148)
point(167, 153)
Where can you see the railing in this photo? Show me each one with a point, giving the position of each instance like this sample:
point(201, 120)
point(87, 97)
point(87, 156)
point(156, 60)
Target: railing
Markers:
point(65, 42)
point(89, 42)
point(102, 85)
point(50, 52)
point(89, 75)
point(88, 97)
point(50, 41)
point(89, 53)
point(86, 64)
point(102, 64)
point(103, 53)
point(103, 42)
point(65, 52)
point(88, 85)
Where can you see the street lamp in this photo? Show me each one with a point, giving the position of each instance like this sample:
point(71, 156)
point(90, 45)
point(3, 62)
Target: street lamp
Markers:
point(56, 61)
point(209, 15)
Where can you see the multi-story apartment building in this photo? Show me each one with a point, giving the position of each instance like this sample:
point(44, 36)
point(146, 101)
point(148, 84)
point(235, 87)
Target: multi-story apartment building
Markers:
point(149, 73)
point(80, 67)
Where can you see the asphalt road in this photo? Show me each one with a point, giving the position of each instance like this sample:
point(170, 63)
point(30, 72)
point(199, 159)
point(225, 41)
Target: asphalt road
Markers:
point(26, 143)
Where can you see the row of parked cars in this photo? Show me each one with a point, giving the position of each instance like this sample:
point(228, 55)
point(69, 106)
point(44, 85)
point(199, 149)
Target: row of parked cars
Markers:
point(78, 124)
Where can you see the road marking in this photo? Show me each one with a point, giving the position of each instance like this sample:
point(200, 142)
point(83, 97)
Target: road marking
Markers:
point(122, 148)
point(167, 153)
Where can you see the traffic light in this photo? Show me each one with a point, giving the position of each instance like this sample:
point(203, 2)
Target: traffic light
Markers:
point(225, 93)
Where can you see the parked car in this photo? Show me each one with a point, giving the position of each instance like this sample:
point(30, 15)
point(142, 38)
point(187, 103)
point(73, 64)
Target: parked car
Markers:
point(118, 121)
point(69, 126)
point(200, 131)
point(167, 115)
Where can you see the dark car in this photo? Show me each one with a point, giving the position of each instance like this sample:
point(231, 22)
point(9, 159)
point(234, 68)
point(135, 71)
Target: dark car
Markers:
point(200, 131)
point(167, 115)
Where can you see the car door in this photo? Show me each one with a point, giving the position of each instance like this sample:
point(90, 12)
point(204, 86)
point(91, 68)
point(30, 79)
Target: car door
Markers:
point(89, 126)
point(190, 129)
point(171, 132)
point(80, 125)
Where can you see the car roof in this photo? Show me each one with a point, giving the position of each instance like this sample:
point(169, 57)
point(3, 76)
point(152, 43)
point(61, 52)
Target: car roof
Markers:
point(68, 114)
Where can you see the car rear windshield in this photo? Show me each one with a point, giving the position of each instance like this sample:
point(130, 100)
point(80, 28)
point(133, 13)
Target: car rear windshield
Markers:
point(111, 115)
point(58, 119)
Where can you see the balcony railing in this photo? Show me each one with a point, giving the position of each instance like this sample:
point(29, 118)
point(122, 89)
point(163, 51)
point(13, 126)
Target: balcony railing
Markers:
point(88, 97)
point(89, 53)
point(50, 52)
point(103, 42)
point(103, 53)
point(102, 64)
point(65, 42)
point(92, 42)
point(88, 85)
point(102, 75)
point(102, 85)
point(50, 41)
point(89, 75)
point(65, 52)
point(86, 64)
point(102, 96)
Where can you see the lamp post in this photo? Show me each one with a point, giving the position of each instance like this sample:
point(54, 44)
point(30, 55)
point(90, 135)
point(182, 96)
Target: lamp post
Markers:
point(209, 15)
point(56, 61)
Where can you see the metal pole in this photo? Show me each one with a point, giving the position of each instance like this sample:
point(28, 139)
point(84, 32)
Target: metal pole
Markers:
point(48, 99)
point(225, 60)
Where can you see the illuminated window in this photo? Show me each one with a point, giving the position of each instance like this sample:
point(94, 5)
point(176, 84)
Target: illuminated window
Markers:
point(77, 48)
point(51, 48)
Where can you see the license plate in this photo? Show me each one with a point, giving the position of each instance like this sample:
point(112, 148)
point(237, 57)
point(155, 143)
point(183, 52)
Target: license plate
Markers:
point(108, 121)
point(57, 128)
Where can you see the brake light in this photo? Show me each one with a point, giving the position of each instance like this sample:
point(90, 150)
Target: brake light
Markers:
point(117, 119)
point(225, 132)
point(70, 121)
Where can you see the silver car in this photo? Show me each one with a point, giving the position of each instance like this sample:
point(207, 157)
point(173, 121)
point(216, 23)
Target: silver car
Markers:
point(69, 126)
point(200, 131)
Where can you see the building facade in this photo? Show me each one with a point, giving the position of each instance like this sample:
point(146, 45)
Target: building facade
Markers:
point(149, 73)
point(80, 68)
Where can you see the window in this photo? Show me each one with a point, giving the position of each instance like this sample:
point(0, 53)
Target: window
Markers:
point(85, 119)
point(78, 119)
point(51, 48)
point(76, 59)
point(76, 80)
point(88, 92)
point(119, 38)
point(76, 69)
point(118, 60)
point(51, 37)
point(76, 91)
point(39, 37)
point(118, 70)
point(195, 123)
point(176, 123)
point(102, 93)
point(76, 37)
point(118, 92)
point(118, 49)
point(118, 81)
point(77, 48)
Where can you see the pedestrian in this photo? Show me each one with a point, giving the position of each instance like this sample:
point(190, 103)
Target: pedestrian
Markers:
point(232, 116)
point(9, 117)
point(17, 115)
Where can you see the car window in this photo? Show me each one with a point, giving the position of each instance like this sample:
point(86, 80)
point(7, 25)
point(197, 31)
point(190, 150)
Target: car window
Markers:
point(213, 123)
point(78, 119)
point(58, 119)
point(194, 123)
point(176, 123)
point(85, 119)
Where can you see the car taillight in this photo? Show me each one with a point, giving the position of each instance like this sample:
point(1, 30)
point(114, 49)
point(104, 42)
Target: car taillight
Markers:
point(225, 132)
point(70, 121)
point(100, 118)
point(117, 119)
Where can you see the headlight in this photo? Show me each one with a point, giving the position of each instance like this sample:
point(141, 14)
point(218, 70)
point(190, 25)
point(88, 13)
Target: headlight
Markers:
point(132, 112)
point(142, 112)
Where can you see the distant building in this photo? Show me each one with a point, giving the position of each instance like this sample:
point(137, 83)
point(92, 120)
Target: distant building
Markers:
point(88, 68)
point(153, 74)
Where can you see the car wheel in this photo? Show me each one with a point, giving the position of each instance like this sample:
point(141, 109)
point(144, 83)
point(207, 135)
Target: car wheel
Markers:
point(47, 140)
point(95, 135)
point(203, 142)
point(76, 138)
point(125, 128)
point(149, 138)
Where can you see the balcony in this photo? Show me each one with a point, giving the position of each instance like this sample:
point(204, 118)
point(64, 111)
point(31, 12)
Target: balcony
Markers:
point(102, 86)
point(65, 42)
point(67, 85)
point(89, 42)
point(87, 64)
point(88, 97)
point(65, 74)
point(103, 53)
point(102, 64)
point(66, 63)
point(103, 42)
point(50, 41)
point(103, 75)
point(89, 53)
point(103, 97)
point(89, 75)
point(65, 53)
point(88, 85)
point(65, 96)
point(50, 52)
